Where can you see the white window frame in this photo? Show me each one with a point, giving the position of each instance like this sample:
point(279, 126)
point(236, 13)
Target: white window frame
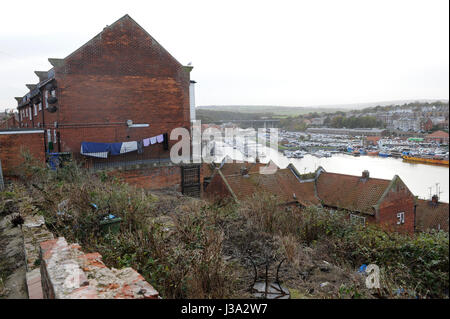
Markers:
point(358, 219)
point(35, 109)
point(400, 218)
point(46, 97)
point(54, 136)
point(30, 113)
point(40, 106)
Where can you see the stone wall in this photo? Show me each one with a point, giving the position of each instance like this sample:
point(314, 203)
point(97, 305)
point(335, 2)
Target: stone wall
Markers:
point(68, 273)
point(58, 270)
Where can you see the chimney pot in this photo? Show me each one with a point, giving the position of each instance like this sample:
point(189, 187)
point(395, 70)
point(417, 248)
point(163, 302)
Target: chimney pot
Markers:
point(435, 199)
point(365, 174)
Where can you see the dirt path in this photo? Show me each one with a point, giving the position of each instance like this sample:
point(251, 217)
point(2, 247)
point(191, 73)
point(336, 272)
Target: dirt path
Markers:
point(12, 266)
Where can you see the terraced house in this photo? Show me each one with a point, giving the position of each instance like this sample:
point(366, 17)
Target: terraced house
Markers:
point(112, 103)
point(388, 203)
point(121, 86)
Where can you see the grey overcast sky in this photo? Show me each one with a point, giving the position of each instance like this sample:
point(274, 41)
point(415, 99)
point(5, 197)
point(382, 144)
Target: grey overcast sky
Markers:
point(293, 53)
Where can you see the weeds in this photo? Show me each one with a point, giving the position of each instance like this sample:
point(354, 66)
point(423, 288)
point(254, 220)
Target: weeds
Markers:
point(179, 244)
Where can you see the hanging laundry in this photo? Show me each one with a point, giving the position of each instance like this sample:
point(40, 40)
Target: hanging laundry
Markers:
point(128, 147)
point(146, 142)
point(160, 138)
point(95, 149)
point(153, 140)
point(115, 148)
point(140, 145)
point(166, 142)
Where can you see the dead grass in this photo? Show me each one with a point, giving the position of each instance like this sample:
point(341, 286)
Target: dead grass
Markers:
point(188, 248)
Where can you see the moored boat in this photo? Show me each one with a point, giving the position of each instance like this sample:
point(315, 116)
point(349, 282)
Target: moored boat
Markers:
point(426, 159)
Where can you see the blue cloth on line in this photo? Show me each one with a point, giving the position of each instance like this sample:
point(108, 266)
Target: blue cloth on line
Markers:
point(115, 148)
point(91, 147)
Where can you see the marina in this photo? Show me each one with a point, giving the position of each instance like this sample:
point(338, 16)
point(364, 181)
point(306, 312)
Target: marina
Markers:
point(422, 179)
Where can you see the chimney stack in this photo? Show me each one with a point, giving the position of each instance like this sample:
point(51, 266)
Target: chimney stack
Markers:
point(244, 171)
point(435, 199)
point(365, 174)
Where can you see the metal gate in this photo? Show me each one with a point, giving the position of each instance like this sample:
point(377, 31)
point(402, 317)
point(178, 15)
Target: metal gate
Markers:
point(190, 180)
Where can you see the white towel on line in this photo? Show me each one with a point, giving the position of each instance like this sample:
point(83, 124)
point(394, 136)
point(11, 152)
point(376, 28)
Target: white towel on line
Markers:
point(128, 147)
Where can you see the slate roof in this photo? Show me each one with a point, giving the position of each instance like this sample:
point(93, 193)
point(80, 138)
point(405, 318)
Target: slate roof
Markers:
point(351, 192)
point(431, 216)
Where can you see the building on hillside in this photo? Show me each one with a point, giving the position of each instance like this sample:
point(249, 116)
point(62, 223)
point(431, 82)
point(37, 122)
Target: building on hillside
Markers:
point(407, 124)
point(388, 203)
point(431, 215)
point(426, 125)
point(440, 137)
point(9, 121)
point(318, 121)
point(241, 182)
point(348, 131)
point(122, 86)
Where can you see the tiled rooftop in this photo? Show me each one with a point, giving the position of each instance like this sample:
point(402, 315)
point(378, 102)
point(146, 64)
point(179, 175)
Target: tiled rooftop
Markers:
point(282, 184)
point(350, 192)
point(438, 134)
point(431, 216)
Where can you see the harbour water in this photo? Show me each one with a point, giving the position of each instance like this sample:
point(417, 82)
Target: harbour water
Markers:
point(418, 177)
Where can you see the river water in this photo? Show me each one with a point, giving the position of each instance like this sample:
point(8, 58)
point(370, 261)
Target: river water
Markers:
point(418, 177)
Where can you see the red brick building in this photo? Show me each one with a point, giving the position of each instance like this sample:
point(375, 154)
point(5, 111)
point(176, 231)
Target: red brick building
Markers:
point(243, 180)
point(120, 86)
point(9, 121)
point(388, 203)
point(437, 137)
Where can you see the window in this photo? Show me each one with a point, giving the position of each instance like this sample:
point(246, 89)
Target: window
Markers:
point(401, 218)
point(35, 109)
point(29, 112)
point(54, 136)
point(357, 220)
point(53, 93)
point(46, 97)
point(40, 106)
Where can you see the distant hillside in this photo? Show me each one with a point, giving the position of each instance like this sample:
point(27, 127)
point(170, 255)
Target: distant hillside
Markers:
point(276, 110)
point(300, 110)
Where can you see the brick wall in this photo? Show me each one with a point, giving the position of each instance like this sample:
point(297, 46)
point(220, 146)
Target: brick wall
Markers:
point(121, 74)
point(151, 177)
point(398, 199)
point(13, 142)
